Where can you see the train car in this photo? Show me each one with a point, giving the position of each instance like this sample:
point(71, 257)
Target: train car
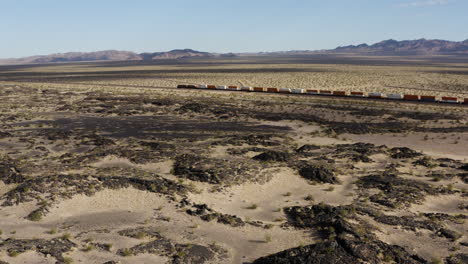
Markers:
point(325, 92)
point(233, 87)
point(297, 91)
point(221, 87)
point(376, 95)
point(395, 96)
point(181, 86)
point(308, 91)
point(202, 86)
point(259, 89)
point(246, 89)
point(447, 99)
point(357, 94)
point(285, 90)
point(191, 86)
point(272, 90)
point(211, 86)
point(411, 97)
point(339, 93)
point(465, 101)
point(427, 98)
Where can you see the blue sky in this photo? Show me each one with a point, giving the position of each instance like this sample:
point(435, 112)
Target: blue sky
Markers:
point(32, 27)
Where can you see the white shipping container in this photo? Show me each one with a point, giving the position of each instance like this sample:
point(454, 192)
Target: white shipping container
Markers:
point(285, 90)
point(202, 86)
point(221, 87)
point(376, 94)
point(299, 91)
point(395, 96)
point(246, 88)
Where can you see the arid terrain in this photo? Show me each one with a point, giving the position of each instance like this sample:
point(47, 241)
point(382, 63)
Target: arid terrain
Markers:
point(105, 162)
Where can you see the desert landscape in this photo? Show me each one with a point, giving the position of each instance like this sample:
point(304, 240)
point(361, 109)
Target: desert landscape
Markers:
point(107, 162)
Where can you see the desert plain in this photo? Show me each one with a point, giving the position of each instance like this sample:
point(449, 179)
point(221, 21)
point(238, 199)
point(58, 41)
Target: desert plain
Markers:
point(107, 162)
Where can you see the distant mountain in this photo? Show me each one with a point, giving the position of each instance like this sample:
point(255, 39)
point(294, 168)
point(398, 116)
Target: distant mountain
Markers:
point(387, 47)
point(175, 54)
point(108, 55)
point(408, 47)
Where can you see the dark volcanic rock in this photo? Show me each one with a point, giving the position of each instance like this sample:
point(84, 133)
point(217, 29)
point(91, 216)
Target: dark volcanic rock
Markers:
point(404, 153)
point(195, 254)
point(347, 242)
point(308, 148)
point(272, 155)
point(450, 234)
point(191, 167)
point(4, 134)
point(216, 171)
point(457, 259)
point(318, 173)
point(396, 191)
point(464, 167)
point(426, 162)
point(343, 251)
point(54, 247)
point(194, 107)
point(208, 214)
point(9, 173)
point(329, 219)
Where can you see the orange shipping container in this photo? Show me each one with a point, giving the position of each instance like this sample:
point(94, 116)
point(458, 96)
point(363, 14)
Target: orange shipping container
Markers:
point(445, 98)
point(211, 86)
point(311, 91)
point(357, 93)
point(232, 87)
point(325, 92)
point(272, 90)
point(340, 93)
point(411, 97)
point(258, 89)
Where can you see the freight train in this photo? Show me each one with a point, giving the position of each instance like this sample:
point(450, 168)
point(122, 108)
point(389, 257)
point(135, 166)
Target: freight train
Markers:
point(373, 95)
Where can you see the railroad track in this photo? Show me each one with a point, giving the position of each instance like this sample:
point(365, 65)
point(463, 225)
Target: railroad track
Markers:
point(331, 96)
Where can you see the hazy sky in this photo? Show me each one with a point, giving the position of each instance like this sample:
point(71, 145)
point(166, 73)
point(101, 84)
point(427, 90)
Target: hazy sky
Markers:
point(32, 27)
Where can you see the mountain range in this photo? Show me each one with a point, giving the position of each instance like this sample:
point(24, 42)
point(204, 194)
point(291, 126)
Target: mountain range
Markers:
point(409, 47)
point(387, 47)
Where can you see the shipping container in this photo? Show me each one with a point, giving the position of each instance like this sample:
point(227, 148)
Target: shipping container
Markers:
point(395, 96)
point(428, 98)
point(181, 86)
point(447, 99)
point(376, 95)
point(357, 94)
point(221, 87)
point(466, 101)
point(325, 92)
point(191, 86)
point(339, 93)
point(297, 91)
point(312, 91)
point(233, 87)
point(272, 90)
point(246, 89)
point(211, 86)
point(411, 97)
point(259, 89)
point(202, 86)
point(285, 90)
